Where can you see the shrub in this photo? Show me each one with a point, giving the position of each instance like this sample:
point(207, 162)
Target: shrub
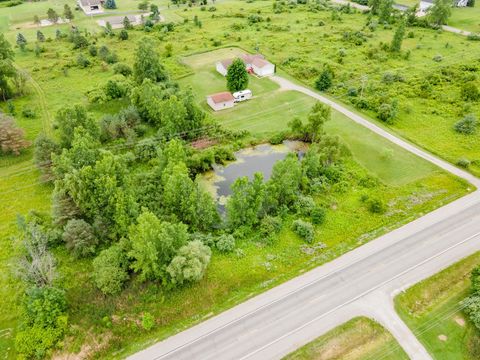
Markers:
point(387, 112)
point(376, 206)
point(225, 243)
point(304, 205)
point(79, 238)
point(43, 305)
point(29, 113)
point(437, 58)
point(123, 34)
point(270, 226)
point(464, 163)
point(325, 79)
point(117, 87)
point(148, 321)
point(470, 92)
point(82, 61)
point(304, 229)
point(467, 125)
point(12, 138)
point(318, 215)
point(122, 69)
point(110, 270)
point(92, 50)
point(190, 263)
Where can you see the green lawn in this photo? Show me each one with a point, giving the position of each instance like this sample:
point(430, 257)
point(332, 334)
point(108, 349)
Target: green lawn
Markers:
point(466, 18)
point(432, 310)
point(357, 339)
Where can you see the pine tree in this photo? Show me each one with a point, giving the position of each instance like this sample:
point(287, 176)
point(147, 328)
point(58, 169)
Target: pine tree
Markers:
point(126, 23)
point(67, 12)
point(40, 36)
point(21, 41)
point(110, 4)
point(397, 40)
point(237, 76)
point(36, 20)
point(52, 15)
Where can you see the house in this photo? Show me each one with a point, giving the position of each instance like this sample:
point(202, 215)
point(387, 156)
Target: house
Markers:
point(242, 95)
point(253, 63)
point(220, 101)
point(91, 7)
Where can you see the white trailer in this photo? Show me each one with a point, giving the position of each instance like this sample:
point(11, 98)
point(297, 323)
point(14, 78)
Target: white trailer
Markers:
point(242, 95)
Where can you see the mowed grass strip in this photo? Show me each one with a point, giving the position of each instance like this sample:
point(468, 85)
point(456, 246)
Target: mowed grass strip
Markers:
point(433, 312)
point(466, 18)
point(357, 339)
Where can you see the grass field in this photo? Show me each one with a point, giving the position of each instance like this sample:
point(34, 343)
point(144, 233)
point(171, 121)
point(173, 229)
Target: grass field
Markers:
point(466, 18)
point(358, 339)
point(432, 310)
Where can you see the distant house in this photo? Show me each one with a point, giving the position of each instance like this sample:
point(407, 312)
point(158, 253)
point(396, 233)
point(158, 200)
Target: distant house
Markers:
point(253, 63)
point(220, 101)
point(117, 21)
point(91, 7)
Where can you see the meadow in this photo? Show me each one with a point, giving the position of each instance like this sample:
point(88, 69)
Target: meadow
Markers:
point(357, 339)
point(433, 312)
point(109, 327)
point(466, 18)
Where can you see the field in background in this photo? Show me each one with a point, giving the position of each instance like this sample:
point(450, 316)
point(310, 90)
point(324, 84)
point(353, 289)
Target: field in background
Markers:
point(433, 312)
point(466, 18)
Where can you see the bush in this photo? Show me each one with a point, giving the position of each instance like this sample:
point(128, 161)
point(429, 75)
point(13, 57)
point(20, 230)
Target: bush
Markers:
point(12, 138)
point(28, 113)
point(325, 80)
point(117, 87)
point(122, 69)
point(269, 227)
point(82, 61)
point(304, 229)
point(376, 206)
point(225, 243)
point(464, 163)
point(304, 205)
point(467, 125)
point(470, 92)
point(318, 215)
point(110, 270)
point(92, 50)
point(80, 238)
point(190, 263)
point(43, 306)
point(123, 35)
point(387, 112)
point(148, 321)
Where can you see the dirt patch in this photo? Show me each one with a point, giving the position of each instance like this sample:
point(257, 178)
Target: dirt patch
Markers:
point(93, 344)
point(202, 143)
point(442, 337)
point(460, 321)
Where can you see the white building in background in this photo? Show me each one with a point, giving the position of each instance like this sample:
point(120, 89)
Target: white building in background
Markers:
point(91, 7)
point(221, 101)
point(254, 64)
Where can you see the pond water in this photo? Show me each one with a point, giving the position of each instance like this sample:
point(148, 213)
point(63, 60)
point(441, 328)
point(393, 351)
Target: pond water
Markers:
point(249, 161)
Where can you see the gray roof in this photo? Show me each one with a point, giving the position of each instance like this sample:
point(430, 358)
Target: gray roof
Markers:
point(117, 20)
point(90, 2)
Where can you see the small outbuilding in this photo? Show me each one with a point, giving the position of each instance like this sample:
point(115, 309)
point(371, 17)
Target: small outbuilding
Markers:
point(220, 101)
point(222, 66)
point(91, 7)
point(255, 64)
point(262, 67)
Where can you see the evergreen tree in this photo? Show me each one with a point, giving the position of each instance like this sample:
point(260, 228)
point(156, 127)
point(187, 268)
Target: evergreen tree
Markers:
point(440, 12)
point(237, 76)
point(325, 80)
point(36, 20)
point(52, 15)
point(40, 36)
point(397, 40)
point(126, 23)
point(21, 41)
point(67, 12)
point(110, 4)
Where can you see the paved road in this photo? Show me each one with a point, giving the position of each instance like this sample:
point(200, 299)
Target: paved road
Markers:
point(361, 282)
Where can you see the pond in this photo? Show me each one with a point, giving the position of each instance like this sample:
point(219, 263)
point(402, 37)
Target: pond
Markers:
point(260, 158)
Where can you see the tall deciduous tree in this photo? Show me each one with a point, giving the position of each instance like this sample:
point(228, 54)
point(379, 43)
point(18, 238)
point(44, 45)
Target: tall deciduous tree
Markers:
point(385, 10)
point(440, 12)
point(237, 76)
point(397, 40)
point(154, 244)
point(147, 63)
point(7, 69)
point(68, 118)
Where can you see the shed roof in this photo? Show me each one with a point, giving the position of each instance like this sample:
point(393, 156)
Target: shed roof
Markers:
point(260, 62)
point(89, 2)
point(222, 97)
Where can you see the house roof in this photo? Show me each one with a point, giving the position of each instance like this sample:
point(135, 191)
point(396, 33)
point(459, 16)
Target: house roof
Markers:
point(117, 20)
point(226, 63)
point(246, 58)
point(89, 2)
point(222, 97)
point(251, 58)
point(260, 63)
